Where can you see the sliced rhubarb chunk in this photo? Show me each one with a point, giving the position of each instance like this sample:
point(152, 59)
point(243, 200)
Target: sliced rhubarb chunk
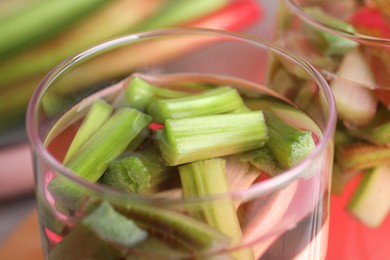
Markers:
point(334, 44)
point(139, 94)
point(262, 159)
point(208, 177)
point(141, 172)
point(289, 145)
point(97, 234)
point(216, 101)
point(91, 160)
point(193, 235)
point(370, 202)
point(361, 156)
point(97, 115)
point(355, 103)
point(191, 139)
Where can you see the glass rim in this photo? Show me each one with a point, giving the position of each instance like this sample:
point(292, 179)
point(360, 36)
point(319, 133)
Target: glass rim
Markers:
point(38, 147)
point(314, 21)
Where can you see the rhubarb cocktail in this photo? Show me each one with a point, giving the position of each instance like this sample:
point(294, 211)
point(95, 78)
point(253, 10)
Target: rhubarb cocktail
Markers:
point(349, 43)
point(173, 144)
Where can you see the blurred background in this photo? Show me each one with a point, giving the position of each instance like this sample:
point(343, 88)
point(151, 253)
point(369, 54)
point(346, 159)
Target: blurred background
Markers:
point(36, 35)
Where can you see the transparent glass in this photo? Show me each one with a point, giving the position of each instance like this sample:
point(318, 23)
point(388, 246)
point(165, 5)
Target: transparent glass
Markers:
point(281, 217)
point(349, 43)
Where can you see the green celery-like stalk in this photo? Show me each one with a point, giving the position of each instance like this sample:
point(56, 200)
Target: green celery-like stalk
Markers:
point(149, 15)
point(41, 21)
point(114, 227)
point(26, 68)
point(370, 202)
point(379, 135)
point(108, 143)
point(194, 235)
point(216, 101)
point(289, 145)
point(140, 172)
point(334, 44)
point(361, 156)
point(116, 18)
point(192, 139)
point(138, 140)
point(91, 160)
point(128, 174)
point(263, 159)
point(97, 235)
point(139, 93)
point(179, 12)
point(205, 178)
point(98, 114)
point(241, 109)
point(377, 131)
point(287, 112)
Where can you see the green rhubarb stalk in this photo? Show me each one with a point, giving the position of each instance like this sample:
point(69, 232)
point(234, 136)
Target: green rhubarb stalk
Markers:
point(379, 135)
point(41, 21)
point(138, 140)
point(361, 156)
point(216, 101)
point(370, 202)
point(289, 114)
point(205, 178)
point(97, 115)
point(289, 145)
point(91, 160)
point(149, 15)
point(191, 139)
point(114, 19)
point(112, 226)
point(139, 94)
point(334, 44)
point(179, 12)
point(140, 172)
point(378, 131)
point(262, 159)
point(11, 8)
point(108, 143)
point(194, 235)
point(128, 174)
point(98, 236)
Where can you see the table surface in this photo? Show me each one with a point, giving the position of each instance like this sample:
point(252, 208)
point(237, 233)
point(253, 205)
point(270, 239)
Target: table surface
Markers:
point(24, 241)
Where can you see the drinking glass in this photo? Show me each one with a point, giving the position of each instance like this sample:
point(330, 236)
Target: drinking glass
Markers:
point(349, 43)
point(278, 217)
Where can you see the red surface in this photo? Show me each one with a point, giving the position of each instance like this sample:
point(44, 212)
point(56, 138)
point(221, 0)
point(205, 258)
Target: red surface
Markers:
point(351, 240)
